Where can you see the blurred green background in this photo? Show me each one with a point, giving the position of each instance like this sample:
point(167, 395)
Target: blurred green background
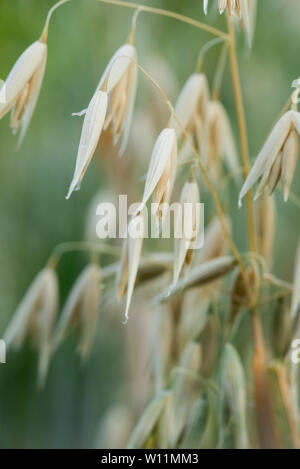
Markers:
point(33, 182)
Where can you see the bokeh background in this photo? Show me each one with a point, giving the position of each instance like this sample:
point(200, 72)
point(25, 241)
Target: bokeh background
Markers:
point(35, 216)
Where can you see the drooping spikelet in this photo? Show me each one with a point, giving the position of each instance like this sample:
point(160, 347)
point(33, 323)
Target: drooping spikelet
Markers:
point(184, 385)
point(149, 419)
point(81, 309)
point(162, 170)
point(23, 84)
point(245, 10)
point(191, 106)
point(90, 134)
point(35, 317)
point(296, 286)
point(202, 274)
point(265, 218)
point(131, 254)
point(187, 220)
point(120, 81)
point(277, 159)
point(110, 107)
point(214, 242)
point(234, 387)
point(219, 142)
point(114, 428)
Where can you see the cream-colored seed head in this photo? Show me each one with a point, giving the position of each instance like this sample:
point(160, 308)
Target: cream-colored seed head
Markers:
point(296, 286)
point(35, 317)
point(114, 428)
point(191, 106)
point(219, 142)
point(81, 309)
point(203, 274)
point(265, 217)
point(184, 385)
point(132, 249)
point(22, 87)
point(233, 382)
point(234, 6)
point(183, 246)
point(90, 134)
point(245, 10)
point(289, 162)
point(205, 6)
point(214, 243)
point(111, 107)
point(23, 84)
point(149, 419)
point(119, 80)
point(277, 159)
point(162, 170)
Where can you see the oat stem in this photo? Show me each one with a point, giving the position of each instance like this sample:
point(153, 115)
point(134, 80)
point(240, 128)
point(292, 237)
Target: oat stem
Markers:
point(285, 393)
point(170, 14)
point(62, 248)
point(242, 129)
point(207, 46)
point(44, 35)
point(264, 407)
point(219, 73)
point(265, 417)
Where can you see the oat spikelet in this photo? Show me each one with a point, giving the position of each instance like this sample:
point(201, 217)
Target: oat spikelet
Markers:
point(23, 84)
point(119, 80)
point(148, 420)
point(110, 107)
point(296, 286)
point(214, 243)
point(35, 317)
point(115, 428)
point(162, 170)
point(130, 260)
point(248, 17)
point(81, 309)
point(265, 218)
point(219, 142)
point(184, 389)
point(277, 158)
point(233, 383)
point(183, 247)
point(191, 106)
point(90, 134)
point(245, 10)
point(202, 274)
point(205, 6)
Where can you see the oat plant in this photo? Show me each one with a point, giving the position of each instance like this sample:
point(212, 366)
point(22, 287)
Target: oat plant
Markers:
point(215, 375)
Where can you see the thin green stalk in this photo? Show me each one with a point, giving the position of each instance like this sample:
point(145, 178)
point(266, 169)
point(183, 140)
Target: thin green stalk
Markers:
point(68, 246)
point(170, 14)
